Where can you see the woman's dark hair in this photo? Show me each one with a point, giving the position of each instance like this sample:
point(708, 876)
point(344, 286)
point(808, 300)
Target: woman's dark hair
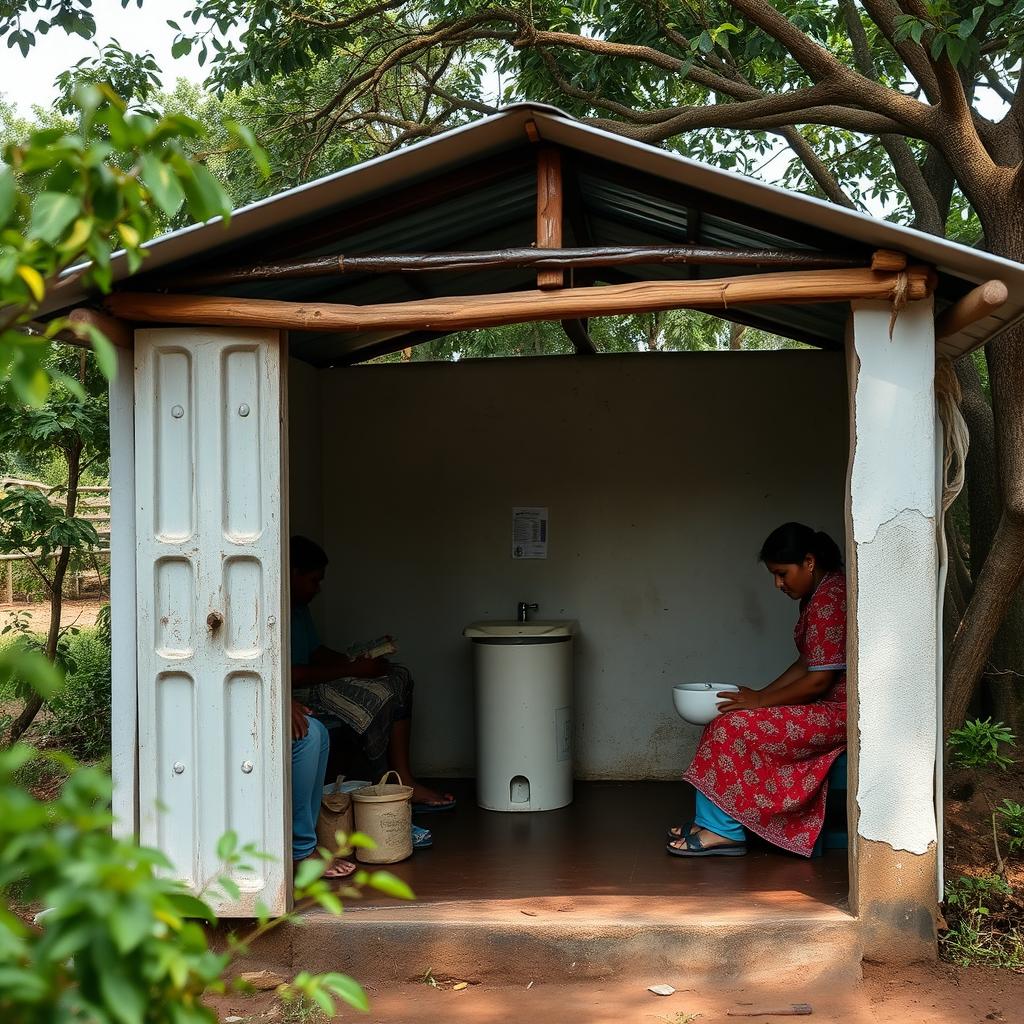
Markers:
point(791, 543)
point(306, 555)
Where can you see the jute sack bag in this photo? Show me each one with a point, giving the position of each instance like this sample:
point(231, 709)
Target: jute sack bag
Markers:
point(335, 816)
point(384, 813)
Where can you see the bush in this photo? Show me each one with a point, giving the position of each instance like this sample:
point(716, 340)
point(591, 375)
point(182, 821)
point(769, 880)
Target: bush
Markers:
point(984, 924)
point(121, 941)
point(976, 744)
point(1013, 824)
point(81, 710)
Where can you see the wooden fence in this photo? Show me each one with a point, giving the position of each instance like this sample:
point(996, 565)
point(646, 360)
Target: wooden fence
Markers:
point(93, 506)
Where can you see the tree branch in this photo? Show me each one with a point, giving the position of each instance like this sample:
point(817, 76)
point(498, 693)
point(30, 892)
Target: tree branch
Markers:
point(896, 147)
point(884, 13)
point(825, 179)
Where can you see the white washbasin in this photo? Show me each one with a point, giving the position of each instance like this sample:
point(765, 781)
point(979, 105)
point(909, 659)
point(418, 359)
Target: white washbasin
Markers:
point(697, 703)
point(497, 629)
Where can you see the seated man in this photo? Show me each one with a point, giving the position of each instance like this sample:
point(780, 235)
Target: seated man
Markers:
point(369, 696)
point(309, 759)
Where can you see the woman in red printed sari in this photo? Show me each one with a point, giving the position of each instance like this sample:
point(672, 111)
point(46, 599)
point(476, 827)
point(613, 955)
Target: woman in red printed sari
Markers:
point(763, 764)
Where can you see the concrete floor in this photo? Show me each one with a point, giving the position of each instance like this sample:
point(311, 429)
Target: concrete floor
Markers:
point(586, 893)
point(607, 843)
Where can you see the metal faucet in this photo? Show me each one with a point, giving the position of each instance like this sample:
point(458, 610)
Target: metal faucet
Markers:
point(523, 611)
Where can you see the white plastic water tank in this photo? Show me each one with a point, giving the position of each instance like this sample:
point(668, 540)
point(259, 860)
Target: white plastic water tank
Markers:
point(523, 714)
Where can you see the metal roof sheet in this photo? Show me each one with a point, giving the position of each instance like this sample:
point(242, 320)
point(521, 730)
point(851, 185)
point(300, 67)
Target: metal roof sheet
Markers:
point(627, 192)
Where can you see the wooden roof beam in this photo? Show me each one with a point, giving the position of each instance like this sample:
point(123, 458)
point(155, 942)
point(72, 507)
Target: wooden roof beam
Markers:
point(475, 311)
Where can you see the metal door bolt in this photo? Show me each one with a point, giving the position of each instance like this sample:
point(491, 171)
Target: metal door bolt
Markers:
point(243, 410)
point(178, 767)
point(177, 412)
point(247, 767)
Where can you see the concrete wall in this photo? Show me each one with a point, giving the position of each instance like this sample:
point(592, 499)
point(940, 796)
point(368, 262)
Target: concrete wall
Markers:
point(662, 473)
point(893, 626)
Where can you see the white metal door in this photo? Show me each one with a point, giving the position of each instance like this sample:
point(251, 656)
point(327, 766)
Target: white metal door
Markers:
point(212, 728)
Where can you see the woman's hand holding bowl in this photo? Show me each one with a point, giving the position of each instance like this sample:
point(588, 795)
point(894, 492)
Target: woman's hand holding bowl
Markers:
point(743, 699)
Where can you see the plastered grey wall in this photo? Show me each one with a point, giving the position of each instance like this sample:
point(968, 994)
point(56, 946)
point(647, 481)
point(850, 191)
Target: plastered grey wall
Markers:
point(662, 474)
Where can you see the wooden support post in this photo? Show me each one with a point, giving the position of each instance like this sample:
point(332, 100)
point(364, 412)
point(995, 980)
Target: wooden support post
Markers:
point(974, 306)
point(549, 211)
point(469, 312)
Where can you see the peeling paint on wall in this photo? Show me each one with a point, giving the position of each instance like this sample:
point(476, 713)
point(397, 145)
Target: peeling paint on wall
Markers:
point(893, 505)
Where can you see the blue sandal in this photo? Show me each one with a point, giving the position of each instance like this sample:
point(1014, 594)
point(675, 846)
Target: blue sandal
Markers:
point(695, 848)
point(422, 838)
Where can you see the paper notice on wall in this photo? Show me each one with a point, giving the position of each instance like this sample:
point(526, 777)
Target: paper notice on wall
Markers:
point(529, 532)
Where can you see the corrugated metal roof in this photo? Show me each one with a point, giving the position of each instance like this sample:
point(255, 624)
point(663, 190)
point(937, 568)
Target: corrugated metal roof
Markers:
point(625, 192)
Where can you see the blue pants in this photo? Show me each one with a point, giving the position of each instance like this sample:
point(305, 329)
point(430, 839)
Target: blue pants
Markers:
point(710, 816)
point(309, 762)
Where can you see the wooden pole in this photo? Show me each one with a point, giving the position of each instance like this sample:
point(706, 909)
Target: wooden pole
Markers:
point(549, 210)
point(475, 311)
point(977, 304)
point(526, 257)
point(887, 260)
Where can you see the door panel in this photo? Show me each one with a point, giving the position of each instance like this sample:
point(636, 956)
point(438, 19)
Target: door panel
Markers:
point(213, 737)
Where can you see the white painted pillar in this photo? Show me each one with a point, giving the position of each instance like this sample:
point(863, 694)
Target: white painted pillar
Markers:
point(123, 662)
point(893, 635)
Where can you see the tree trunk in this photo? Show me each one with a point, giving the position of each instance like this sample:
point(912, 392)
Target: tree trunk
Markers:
point(34, 702)
point(997, 582)
point(983, 491)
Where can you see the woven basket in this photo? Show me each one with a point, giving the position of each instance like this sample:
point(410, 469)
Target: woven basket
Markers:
point(384, 813)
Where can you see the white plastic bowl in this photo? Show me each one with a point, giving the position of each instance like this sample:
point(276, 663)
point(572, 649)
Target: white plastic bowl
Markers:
point(697, 703)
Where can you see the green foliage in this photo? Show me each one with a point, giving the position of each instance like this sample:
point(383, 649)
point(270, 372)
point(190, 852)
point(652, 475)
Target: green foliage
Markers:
point(977, 744)
point(984, 925)
point(122, 941)
point(69, 195)
point(1012, 814)
point(80, 712)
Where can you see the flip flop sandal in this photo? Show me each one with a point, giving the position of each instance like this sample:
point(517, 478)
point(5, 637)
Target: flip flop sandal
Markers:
point(340, 869)
point(426, 808)
point(678, 832)
point(422, 838)
point(695, 848)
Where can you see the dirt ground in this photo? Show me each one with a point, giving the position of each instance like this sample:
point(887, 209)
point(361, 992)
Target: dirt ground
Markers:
point(73, 613)
point(922, 994)
point(971, 797)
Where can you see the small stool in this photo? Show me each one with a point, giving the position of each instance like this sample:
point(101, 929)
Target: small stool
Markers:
point(833, 834)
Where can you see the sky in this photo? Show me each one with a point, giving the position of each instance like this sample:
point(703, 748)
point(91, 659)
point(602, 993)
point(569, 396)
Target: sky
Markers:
point(29, 80)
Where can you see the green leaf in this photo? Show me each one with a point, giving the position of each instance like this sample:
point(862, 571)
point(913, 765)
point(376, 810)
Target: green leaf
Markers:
point(391, 884)
point(125, 1002)
point(129, 925)
point(226, 845)
point(230, 888)
point(348, 989)
point(309, 871)
point(189, 906)
point(163, 184)
point(206, 199)
point(52, 212)
point(248, 139)
point(8, 194)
